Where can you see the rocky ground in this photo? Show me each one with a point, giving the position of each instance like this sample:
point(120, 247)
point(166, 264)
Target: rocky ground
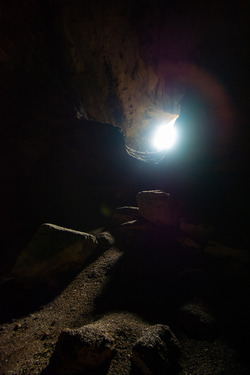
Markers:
point(162, 299)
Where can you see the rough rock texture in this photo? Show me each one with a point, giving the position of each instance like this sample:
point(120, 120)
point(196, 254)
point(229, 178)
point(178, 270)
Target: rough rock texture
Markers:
point(197, 322)
point(53, 253)
point(157, 350)
point(82, 350)
point(132, 62)
point(158, 207)
point(98, 348)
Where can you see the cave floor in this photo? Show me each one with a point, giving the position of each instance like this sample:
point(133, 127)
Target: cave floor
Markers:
point(29, 333)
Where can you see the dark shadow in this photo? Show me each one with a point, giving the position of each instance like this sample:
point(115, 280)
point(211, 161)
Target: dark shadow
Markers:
point(150, 280)
point(19, 300)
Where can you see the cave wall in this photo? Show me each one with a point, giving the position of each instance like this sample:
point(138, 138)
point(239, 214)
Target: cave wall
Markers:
point(133, 62)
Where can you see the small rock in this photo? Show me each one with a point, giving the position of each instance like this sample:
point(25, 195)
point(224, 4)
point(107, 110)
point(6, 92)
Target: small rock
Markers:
point(126, 213)
point(105, 240)
point(158, 207)
point(156, 351)
point(53, 253)
point(79, 351)
point(197, 323)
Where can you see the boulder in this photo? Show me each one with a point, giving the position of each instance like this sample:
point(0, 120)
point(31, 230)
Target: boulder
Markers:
point(197, 323)
point(82, 351)
point(156, 351)
point(138, 234)
point(158, 207)
point(52, 254)
point(125, 214)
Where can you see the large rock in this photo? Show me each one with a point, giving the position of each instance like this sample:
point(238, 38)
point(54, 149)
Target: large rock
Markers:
point(82, 351)
point(53, 253)
point(158, 207)
point(156, 351)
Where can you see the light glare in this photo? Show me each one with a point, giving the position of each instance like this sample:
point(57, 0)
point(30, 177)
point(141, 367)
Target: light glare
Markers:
point(165, 136)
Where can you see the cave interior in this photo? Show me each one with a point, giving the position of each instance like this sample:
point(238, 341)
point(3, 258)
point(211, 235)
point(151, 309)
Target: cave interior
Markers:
point(82, 86)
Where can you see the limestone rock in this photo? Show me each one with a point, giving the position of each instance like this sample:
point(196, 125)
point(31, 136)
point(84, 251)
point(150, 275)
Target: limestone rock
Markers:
point(158, 207)
point(125, 214)
point(197, 323)
point(156, 351)
point(81, 351)
point(53, 253)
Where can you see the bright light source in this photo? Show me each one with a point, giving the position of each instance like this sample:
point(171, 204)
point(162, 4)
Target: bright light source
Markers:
point(165, 136)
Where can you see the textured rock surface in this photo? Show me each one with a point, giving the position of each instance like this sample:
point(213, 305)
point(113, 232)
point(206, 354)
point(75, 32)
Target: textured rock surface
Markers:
point(82, 350)
point(158, 207)
point(156, 351)
point(132, 64)
point(53, 253)
point(97, 348)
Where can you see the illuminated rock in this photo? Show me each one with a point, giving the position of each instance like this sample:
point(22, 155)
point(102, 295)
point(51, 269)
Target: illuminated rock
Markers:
point(81, 350)
point(158, 207)
point(157, 350)
point(53, 253)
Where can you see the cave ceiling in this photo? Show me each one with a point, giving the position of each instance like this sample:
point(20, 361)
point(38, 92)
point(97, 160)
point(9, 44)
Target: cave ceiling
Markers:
point(129, 63)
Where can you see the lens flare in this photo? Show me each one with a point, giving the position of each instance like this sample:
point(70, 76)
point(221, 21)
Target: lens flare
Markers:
point(165, 136)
